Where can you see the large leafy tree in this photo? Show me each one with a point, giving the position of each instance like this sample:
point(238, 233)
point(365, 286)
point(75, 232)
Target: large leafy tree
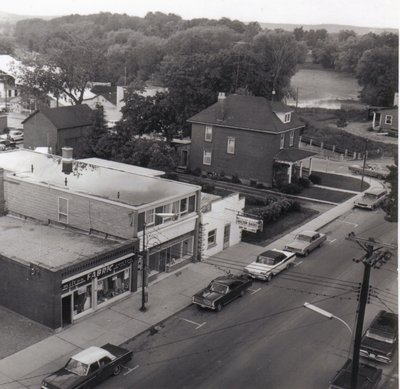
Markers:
point(377, 73)
point(391, 205)
point(69, 64)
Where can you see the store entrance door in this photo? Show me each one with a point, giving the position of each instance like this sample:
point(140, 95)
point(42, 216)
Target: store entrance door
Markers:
point(66, 308)
point(227, 234)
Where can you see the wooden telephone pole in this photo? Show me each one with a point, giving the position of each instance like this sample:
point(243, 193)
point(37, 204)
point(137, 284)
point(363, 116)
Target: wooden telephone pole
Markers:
point(374, 257)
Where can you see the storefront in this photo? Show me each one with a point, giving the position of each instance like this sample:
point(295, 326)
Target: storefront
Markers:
point(94, 289)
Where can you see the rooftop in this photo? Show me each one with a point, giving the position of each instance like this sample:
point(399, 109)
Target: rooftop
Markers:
point(92, 354)
point(120, 187)
point(248, 113)
point(47, 246)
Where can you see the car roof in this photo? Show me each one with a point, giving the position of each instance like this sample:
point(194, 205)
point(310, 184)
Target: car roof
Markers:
point(272, 254)
point(309, 233)
point(226, 280)
point(375, 191)
point(385, 321)
point(92, 354)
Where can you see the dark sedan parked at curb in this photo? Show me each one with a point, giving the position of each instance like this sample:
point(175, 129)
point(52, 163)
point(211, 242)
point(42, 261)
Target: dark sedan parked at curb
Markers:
point(380, 340)
point(222, 291)
point(89, 368)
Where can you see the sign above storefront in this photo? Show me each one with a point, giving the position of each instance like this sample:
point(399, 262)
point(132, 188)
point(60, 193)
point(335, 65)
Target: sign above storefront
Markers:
point(98, 273)
point(249, 224)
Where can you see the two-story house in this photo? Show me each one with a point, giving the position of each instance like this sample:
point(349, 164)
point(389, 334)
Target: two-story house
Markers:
point(56, 128)
point(386, 120)
point(247, 137)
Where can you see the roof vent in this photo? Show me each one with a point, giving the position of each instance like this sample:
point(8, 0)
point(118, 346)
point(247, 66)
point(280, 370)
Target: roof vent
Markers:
point(67, 160)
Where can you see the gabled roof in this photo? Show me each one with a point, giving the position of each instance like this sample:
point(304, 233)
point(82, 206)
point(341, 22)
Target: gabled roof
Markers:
point(247, 113)
point(66, 117)
point(107, 91)
point(10, 65)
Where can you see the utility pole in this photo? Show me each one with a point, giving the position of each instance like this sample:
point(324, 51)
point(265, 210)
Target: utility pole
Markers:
point(373, 258)
point(144, 264)
point(364, 163)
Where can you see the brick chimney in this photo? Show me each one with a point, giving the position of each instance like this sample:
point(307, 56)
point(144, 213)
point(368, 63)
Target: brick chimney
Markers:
point(221, 103)
point(67, 159)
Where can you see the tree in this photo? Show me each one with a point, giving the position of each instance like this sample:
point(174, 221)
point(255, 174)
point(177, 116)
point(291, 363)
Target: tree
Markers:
point(325, 53)
point(7, 45)
point(70, 63)
point(346, 34)
point(391, 205)
point(377, 72)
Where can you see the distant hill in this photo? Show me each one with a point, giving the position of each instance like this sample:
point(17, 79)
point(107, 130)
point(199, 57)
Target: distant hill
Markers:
point(331, 28)
point(9, 18)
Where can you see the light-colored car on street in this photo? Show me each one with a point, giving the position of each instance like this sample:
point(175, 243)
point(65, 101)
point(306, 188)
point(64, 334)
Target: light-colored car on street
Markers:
point(13, 135)
point(270, 263)
point(305, 242)
point(371, 198)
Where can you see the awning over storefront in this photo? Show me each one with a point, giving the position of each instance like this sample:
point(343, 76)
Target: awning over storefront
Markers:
point(293, 155)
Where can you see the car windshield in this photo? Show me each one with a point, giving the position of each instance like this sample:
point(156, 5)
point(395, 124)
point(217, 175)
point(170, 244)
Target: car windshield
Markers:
point(386, 339)
point(265, 260)
point(76, 367)
point(219, 288)
point(370, 196)
point(304, 238)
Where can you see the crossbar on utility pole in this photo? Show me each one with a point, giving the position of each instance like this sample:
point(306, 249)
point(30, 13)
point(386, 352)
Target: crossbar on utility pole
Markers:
point(370, 259)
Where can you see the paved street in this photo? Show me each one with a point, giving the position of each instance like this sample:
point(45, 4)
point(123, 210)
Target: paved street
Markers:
point(267, 338)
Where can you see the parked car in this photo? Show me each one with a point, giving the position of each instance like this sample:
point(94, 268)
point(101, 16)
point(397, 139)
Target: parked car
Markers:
point(380, 340)
point(371, 198)
point(368, 377)
point(16, 135)
point(269, 264)
point(7, 145)
point(89, 367)
point(369, 171)
point(305, 242)
point(222, 291)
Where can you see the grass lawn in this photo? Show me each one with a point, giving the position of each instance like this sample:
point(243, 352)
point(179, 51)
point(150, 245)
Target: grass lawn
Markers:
point(341, 182)
point(326, 194)
point(279, 227)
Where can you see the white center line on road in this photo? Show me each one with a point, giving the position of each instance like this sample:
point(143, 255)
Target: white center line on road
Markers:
point(353, 224)
point(331, 241)
point(194, 323)
point(130, 370)
point(298, 263)
point(254, 291)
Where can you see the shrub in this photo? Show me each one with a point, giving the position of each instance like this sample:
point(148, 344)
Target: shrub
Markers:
point(291, 188)
point(304, 182)
point(260, 185)
point(315, 179)
point(208, 187)
point(235, 179)
point(171, 176)
point(196, 172)
point(251, 200)
point(275, 209)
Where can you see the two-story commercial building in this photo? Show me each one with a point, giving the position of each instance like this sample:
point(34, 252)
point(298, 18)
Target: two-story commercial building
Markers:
point(247, 137)
point(71, 231)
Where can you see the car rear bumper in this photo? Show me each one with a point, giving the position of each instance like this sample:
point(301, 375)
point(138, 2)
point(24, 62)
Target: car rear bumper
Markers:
point(375, 356)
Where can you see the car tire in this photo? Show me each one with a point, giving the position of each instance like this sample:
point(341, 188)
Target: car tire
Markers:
point(242, 292)
point(269, 278)
point(218, 308)
point(306, 253)
point(117, 370)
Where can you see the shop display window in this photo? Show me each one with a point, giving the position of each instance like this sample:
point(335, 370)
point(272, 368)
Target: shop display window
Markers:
point(82, 299)
point(112, 286)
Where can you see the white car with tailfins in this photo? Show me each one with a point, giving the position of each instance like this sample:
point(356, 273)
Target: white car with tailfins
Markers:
point(269, 264)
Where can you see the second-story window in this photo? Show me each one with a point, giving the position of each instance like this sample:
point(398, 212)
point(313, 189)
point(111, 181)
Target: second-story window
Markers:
point(208, 134)
point(231, 146)
point(388, 119)
point(63, 210)
point(150, 217)
point(291, 138)
point(207, 157)
point(288, 117)
point(282, 143)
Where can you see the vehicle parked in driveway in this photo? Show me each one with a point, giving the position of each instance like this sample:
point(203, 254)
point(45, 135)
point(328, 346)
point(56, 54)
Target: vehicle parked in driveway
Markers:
point(269, 264)
point(368, 377)
point(305, 242)
point(380, 340)
point(89, 367)
point(371, 198)
point(222, 291)
point(16, 135)
point(369, 171)
point(7, 145)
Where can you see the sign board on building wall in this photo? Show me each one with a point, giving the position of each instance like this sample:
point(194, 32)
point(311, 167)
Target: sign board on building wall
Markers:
point(249, 224)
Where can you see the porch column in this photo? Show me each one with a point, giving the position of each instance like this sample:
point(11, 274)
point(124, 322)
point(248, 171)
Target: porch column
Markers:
point(301, 168)
point(290, 173)
point(373, 121)
point(310, 168)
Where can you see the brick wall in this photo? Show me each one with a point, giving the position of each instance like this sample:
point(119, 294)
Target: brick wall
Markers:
point(84, 213)
point(254, 152)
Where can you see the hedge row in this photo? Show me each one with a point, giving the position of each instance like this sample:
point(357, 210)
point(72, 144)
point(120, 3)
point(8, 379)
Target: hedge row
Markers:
point(275, 209)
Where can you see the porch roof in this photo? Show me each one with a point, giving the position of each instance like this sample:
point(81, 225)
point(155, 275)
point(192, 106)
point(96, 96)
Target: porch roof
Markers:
point(293, 155)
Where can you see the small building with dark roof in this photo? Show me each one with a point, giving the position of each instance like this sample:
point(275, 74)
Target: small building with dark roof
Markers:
point(247, 137)
point(57, 127)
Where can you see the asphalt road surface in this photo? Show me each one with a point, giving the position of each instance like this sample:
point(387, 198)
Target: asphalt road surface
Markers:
point(267, 339)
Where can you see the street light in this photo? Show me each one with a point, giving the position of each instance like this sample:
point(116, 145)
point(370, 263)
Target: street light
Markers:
point(145, 258)
point(326, 314)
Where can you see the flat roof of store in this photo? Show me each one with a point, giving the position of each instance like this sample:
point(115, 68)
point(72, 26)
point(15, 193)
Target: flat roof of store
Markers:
point(122, 187)
point(123, 167)
point(48, 246)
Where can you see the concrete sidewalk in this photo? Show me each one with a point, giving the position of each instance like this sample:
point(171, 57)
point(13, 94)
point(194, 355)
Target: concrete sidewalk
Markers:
point(167, 295)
